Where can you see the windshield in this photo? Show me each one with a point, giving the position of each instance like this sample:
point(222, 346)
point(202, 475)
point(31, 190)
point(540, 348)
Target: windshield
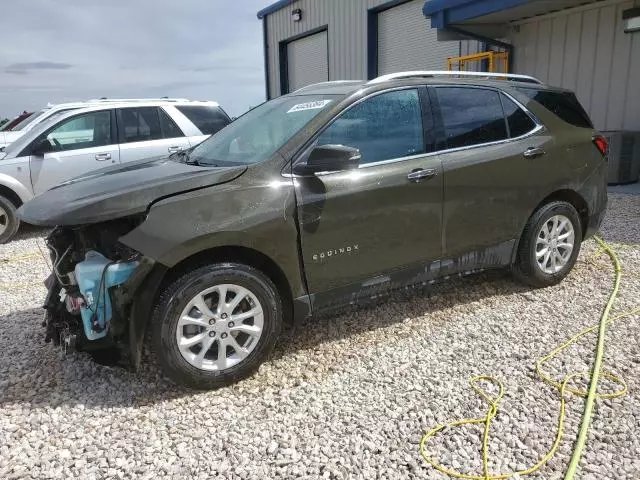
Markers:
point(259, 133)
point(27, 121)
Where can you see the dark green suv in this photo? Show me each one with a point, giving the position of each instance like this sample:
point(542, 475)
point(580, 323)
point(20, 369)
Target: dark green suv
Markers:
point(325, 197)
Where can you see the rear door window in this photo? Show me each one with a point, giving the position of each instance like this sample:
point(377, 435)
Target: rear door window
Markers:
point(169, 127)
point(207, 119)
point(471, 116)
point(139, 124)
point(520, 123)
point(563, 104)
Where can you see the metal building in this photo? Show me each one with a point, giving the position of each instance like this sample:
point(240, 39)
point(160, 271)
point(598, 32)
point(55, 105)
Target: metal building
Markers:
point(589, 46)
point(310, 41)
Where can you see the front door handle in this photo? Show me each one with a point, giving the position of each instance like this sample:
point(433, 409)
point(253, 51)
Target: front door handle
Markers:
point(534, 152)
point(420, 174)
point(175, 149)
point(101, 157)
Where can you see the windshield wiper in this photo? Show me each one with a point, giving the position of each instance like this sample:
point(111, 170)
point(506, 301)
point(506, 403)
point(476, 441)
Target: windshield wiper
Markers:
point(183, 157)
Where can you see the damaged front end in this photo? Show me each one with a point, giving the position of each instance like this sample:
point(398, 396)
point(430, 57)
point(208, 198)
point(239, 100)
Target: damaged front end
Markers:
point(92, 288)
point(101, 292)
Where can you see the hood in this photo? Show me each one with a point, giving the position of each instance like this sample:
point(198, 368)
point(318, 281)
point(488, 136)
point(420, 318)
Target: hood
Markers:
point(120, 191)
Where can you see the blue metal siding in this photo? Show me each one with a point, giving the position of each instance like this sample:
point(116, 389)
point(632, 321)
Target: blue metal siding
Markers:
point(274, 7)
point(446, 12)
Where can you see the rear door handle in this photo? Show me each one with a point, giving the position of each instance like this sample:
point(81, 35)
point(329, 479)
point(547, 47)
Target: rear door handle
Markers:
point(534, 152)
point(174, 149)
point(101, 157)
point(420, 174)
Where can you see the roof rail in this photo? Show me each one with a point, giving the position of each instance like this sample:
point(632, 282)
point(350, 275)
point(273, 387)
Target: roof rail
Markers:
point(332, 82)
point(127, 100)
point(455, 74)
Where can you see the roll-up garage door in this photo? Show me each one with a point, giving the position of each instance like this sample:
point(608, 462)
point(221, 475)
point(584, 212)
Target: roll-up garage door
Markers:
point(406, 41)
point(308, 61)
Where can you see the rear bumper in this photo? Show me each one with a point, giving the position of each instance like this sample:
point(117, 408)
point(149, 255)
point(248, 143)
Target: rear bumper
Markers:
point(594, 191)
point(595, 222)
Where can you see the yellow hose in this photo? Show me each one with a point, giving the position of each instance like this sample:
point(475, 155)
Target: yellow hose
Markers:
point(562, 387)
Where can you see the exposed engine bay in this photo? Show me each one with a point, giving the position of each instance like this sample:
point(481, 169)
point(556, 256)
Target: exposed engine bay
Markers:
point(90, 285)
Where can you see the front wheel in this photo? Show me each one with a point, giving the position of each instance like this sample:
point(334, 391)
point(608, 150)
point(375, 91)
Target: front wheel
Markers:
point(9, 222)
point(216, 325)
point(549, 246)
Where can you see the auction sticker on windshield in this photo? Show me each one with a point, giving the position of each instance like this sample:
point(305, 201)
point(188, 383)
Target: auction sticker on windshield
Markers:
point(309, 106)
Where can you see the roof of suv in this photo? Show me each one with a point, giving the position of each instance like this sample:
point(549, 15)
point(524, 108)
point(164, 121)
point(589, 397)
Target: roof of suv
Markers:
point(132, 101)
point(346, 87)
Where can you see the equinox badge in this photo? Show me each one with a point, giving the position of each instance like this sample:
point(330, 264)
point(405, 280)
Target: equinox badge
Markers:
point(334, 253)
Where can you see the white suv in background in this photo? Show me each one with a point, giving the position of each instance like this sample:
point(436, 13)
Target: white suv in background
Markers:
point(9, 136)
point(35, 119)
point(77, 141)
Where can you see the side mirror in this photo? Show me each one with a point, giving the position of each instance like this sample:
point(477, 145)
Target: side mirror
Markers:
point(329, 158)
point(41, 147)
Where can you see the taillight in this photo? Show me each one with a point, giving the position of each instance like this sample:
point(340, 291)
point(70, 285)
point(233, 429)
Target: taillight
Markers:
point(602, 144)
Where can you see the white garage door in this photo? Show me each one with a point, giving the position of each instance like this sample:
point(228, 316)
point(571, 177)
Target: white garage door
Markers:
point(308, 61)
point(406, 41)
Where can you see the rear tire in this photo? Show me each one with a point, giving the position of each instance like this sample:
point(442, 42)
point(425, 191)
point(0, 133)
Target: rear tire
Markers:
point(190, 317)
point(9, 222)
point(549, 246)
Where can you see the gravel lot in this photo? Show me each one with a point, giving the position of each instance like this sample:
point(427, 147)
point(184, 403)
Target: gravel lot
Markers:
point(343, 397)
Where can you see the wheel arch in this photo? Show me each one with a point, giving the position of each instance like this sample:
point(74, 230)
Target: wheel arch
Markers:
point(572, 197)
point(161, 276)
point(238, 254)
point(564, 195)
point(10, 195)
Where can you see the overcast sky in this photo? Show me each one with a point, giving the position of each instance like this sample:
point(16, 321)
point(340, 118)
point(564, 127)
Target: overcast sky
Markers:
point(66, 50)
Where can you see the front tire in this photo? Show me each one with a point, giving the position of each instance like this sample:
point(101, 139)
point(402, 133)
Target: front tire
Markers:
point(215, 325)
point(9, 222)
point(549, 246)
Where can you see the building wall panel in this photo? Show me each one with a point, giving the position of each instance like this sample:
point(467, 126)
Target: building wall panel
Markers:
point(586, 50)
point(348, 36)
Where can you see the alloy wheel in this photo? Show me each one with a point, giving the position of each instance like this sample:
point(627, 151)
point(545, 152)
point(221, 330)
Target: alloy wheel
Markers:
point(554, 244)
point(220, 327)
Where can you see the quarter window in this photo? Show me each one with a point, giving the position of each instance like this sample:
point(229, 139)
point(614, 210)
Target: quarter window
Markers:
point(385, 127)
point(563, 104)
point(520, 123)
point(84, 131)
point(209, 120)
point(471, 116)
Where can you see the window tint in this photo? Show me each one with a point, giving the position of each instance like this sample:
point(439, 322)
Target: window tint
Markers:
point(471, 116)
point(384, 127)
point(84, 131)
point(209, 120)
point(520, 123)
point(169, 127)
point(563, 104)
point(139, 124)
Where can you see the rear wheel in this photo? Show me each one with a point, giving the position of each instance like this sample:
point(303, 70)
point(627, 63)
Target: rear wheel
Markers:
point(549, 246)
point(216, 325)
point(9, 223)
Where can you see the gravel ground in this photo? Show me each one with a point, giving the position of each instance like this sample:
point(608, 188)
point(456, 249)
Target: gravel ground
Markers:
point(342, 397)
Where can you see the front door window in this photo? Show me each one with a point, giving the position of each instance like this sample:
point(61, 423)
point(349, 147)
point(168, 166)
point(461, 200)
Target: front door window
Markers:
point(385, 127)
point(84, 131)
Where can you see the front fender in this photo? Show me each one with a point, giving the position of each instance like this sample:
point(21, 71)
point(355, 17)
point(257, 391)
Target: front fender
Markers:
point(249, 213)
point(10, 182)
